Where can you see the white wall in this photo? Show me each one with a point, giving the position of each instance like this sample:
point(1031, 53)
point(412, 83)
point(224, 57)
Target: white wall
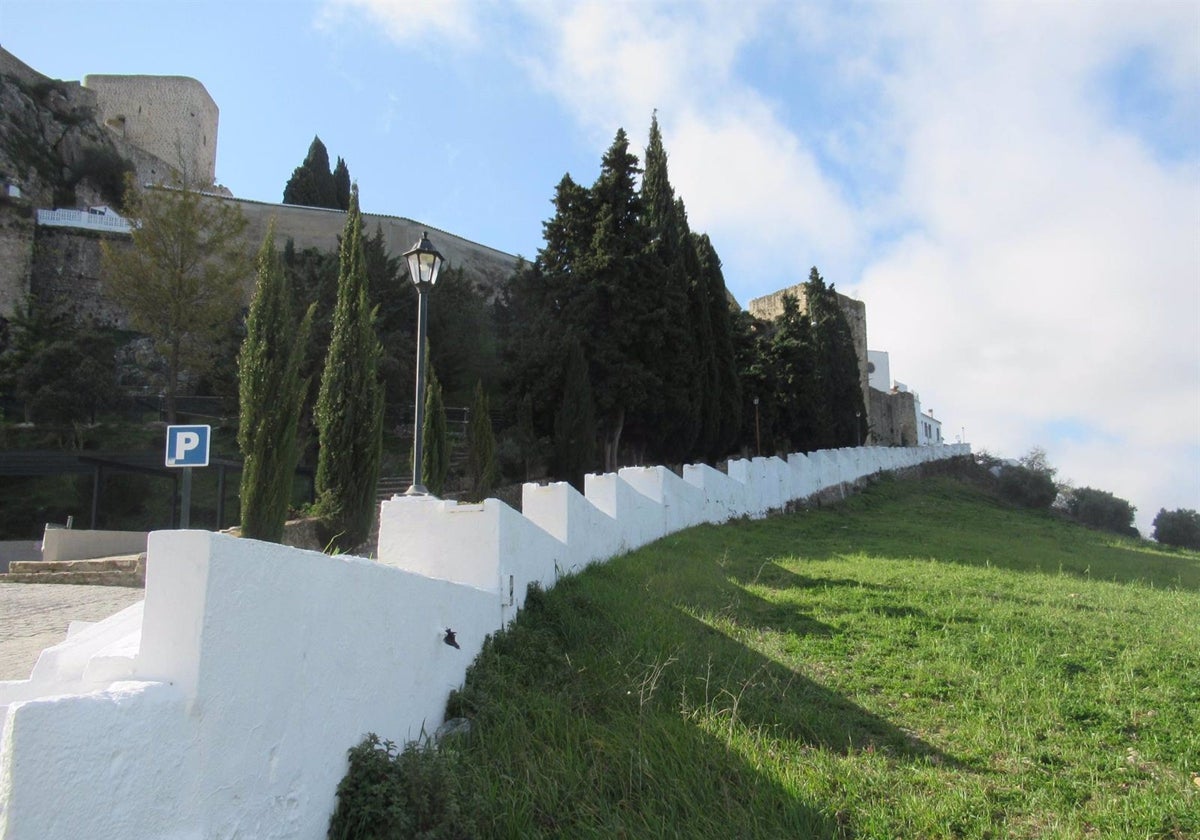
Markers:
point(80, 544)
point(223, 706)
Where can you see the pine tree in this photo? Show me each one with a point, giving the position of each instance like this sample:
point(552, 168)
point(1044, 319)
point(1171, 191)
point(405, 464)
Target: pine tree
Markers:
point(181, 278)
point(271, 392)
point(481, 446)
point(435, 460)
point(349, 411)
point(575, 425)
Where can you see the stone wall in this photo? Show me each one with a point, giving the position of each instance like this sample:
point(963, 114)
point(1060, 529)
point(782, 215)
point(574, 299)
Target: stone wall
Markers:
point(168, 116)
point(893, 417)
point(10, 65)
point(66, 274)
point(63, 269)
point(320, 228)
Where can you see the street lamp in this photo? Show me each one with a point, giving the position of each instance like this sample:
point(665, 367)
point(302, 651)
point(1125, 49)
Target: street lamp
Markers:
point(424, 263)
point(858, 428)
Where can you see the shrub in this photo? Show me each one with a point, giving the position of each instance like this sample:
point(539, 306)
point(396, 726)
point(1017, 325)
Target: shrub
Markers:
point(1027, 487)
point(1101, 509)
point(1179, 528)
point(107, 170)
point(390, 793)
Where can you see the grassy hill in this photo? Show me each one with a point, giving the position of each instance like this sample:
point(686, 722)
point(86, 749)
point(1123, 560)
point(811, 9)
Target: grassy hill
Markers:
point(919, 661)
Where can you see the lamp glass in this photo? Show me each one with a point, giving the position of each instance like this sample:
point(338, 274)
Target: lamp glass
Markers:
point(424, 262)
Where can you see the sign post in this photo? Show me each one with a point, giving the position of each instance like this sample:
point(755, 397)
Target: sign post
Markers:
point(187, 447)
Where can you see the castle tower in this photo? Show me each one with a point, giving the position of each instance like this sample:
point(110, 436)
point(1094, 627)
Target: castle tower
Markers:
point(769, 307)
point(171, 117)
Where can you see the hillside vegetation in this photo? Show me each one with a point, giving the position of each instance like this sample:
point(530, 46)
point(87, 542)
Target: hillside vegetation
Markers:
point(920, 661)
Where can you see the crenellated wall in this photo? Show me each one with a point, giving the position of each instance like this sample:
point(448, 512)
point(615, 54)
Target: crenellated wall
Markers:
point(224, 704)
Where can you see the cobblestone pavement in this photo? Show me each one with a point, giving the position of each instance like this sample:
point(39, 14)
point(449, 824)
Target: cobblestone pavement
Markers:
point(34, 616)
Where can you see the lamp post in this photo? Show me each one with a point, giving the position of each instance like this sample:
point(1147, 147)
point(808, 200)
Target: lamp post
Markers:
point(858, 428)
point(757, 432)
point(424, 263)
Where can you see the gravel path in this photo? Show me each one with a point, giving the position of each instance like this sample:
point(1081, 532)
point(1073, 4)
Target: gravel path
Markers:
point(34, 616)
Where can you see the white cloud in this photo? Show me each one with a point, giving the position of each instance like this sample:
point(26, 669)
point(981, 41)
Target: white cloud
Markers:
point(437, 23)
point(1055, 274)
point(1027, 249)
point(745, 177)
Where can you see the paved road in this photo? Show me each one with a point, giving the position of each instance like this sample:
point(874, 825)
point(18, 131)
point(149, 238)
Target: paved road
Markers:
point(34, 616)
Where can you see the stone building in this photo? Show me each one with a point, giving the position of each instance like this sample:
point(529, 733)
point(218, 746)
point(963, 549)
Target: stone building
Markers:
point(171, 117)
point(769, 307)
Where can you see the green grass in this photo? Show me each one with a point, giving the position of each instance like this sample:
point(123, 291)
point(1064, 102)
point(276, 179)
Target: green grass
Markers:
point(920, 661)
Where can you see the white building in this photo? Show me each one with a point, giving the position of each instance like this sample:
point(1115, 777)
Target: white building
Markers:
point(929, 428)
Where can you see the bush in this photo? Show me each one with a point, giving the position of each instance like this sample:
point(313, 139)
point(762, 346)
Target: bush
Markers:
point(1028, 488)
point(1179, 528)
point(106, 169)
point(1101, 509)
point(409, 793)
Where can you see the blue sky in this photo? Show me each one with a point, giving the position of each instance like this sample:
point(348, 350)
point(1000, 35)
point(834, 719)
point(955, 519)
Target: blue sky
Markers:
point(1012, 188)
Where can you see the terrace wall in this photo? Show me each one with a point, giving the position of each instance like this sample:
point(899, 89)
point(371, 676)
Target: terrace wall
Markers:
point(223, 705)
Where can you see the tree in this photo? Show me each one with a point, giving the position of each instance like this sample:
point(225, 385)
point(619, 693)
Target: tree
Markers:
point(349, 412)
point(574, 425)
point(181, 278)
point(801, 407)
point(271, 390)
point(1180, 528)
point(341, 185)
point(435, 452)
point(673, 318)
point(481, 446)
point(842, 410)
point(61, 371)
point(728, 384)
point(1101, 509)
point(616, 325)
point(312, 183)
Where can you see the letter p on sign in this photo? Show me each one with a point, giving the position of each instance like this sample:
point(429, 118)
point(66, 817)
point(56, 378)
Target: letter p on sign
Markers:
point(187, 446)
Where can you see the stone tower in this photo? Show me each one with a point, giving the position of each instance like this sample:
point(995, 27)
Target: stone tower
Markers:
point(769, 307)
point(171, 117)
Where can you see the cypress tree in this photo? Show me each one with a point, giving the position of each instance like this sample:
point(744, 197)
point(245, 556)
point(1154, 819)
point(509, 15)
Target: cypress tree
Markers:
point(799, 406)
point(312, 183)
point(728, 384)
point(837, 365)
point(435, 455)
point(481, 446)
point(349, 410)
point(271, 392)
point(575, 424)
point(670, 314)
point(341, 185)
point(617, 333)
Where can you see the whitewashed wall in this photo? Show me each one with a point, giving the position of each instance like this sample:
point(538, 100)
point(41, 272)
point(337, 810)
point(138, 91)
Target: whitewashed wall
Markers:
point(224, 704)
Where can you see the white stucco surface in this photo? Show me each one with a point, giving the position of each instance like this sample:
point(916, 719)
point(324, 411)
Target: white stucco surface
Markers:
point(223, 706)
point(82, 544)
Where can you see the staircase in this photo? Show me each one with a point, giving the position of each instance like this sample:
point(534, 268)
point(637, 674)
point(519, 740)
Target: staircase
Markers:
point(126, 570)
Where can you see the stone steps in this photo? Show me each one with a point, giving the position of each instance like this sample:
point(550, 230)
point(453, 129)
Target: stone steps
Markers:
point(127, 570)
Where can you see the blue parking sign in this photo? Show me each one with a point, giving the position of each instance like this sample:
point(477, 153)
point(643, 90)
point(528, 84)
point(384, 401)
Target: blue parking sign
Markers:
point(187, 446)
